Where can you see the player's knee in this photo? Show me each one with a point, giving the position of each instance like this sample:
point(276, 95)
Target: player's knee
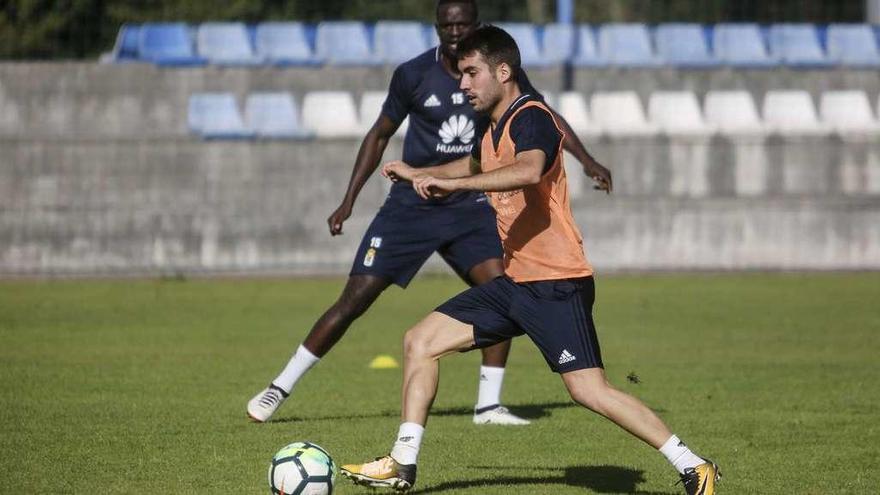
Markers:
point(584, 398)
point(587, 394)
point(416, 344)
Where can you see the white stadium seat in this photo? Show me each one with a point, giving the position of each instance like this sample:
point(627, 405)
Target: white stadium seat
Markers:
point(371, 107)
point(573, 107)
point(792, 112)
point(849, 113)
point(677, 113)
point(620, 113)
point(734, 113)
point(331, 114)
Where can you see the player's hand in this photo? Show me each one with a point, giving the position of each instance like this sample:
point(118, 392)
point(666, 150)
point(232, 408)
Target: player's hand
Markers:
point(601, 176)
point(397, 170)
point(336, 219)
point(428, 187)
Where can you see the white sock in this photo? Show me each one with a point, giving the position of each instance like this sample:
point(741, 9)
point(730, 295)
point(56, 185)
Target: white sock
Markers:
point(679, 454)
point(295, 369)
point(489, 393)
point(409, 439)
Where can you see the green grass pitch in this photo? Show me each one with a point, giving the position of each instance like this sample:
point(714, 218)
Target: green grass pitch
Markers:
point(140, 387)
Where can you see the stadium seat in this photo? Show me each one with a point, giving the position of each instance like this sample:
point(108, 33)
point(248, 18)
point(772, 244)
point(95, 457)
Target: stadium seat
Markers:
point(683, 45)
point(371, 107)
point(852, 45)
point(559, 43)
point(284, 43)
point(331, 114)
point(627, 45)
point(792, 112)
point(344, 43)
point(126, 47)
point(734, 113)
point(620, 113)
point(526, 39)
point(586, 50)
point(849, 113)
point(741, 45)
point(677, 113)
point(797, 45)
point(225, 43)
point(431, 33)
point(573, 107)
point(399, 41)
point(167, 44)
point(216, 116)
point(273, 115)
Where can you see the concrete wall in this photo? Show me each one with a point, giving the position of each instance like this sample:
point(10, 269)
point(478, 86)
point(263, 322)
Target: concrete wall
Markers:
point(93, 190)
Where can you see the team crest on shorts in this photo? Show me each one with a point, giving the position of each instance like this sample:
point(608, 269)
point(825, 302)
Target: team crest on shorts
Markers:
point(375, 243)
point(369, 257)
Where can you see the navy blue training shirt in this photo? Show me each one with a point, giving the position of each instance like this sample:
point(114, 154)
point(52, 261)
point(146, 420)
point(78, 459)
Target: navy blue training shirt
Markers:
point(532, 129)
point(442, 123)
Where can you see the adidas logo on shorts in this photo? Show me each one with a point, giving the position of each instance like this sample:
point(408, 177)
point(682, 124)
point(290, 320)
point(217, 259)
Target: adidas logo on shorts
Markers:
point(566, 357)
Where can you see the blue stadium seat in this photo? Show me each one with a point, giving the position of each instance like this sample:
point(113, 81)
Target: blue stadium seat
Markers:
point(273, 115)
point(284, 43)
point(167, 44)
point(126, 47)
point(559, 43)
point(526, 39)
point(852, 45)
point(683, 44)
point(345, 43)
point(225, 43)
point(797, 45)
point(741, 45)
point(627, 45)
point(587, 51)
point(399, 41)
point(216, 116)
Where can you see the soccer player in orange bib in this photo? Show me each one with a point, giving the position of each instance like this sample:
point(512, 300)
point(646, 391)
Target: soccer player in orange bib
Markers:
point(547, 290)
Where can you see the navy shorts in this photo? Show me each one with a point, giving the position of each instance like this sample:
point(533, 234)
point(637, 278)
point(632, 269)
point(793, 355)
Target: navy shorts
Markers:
point(555, 314)
point(402, 237)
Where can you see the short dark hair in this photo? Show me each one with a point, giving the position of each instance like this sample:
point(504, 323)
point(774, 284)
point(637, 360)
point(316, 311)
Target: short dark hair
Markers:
point(472, 3)
point(493, 43)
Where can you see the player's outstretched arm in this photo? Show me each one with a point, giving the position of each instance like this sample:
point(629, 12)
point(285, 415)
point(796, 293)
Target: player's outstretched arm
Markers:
point(594, 169)
point(525, 171)
point(397, 170)
point(369, 154)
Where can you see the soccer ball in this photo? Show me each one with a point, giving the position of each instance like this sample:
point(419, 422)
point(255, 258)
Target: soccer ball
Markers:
point(302, 468)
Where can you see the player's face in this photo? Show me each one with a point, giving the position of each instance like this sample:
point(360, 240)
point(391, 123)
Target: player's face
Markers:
point(479, 82)
point(454, 22)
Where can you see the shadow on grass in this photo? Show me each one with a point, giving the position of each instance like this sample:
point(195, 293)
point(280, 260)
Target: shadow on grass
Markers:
point(528, 411)
point(599, 479)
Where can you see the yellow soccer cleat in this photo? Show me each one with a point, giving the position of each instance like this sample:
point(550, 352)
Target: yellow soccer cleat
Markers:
point(383, 472)
point(701, 480)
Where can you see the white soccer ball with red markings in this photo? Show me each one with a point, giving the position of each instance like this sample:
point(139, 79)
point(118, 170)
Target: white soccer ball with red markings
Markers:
point(302, 468)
